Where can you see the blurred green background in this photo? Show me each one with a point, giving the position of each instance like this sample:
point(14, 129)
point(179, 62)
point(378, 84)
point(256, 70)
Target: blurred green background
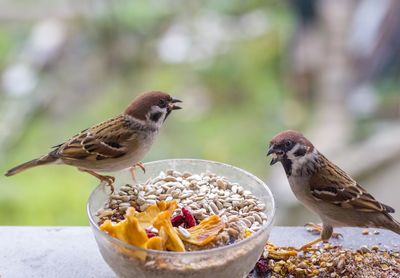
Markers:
point(244, 69)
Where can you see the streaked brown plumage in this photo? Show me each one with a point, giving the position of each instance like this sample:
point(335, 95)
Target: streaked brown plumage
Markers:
point(326, 189)
point(115, 144)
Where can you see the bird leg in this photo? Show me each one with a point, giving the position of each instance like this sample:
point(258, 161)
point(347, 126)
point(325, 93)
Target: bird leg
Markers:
point(317, 229)
point(103, 178)
point(141, 166)
point(326, 233)
point(310, 244)
point(280, 253)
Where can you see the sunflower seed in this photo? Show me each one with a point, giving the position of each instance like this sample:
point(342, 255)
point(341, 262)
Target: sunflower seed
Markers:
point(152, 230)
point(125, 198)
point(233, 232)
point(151, 202)
point(246, 221)
point(184, 232)
point(126, 187)
point(219, 204)
point(261, 207)
point(250, 218)
point(214, 207)
point(169, 199)
point(234, 189)
point(144, 207)
point(140, 200)
point(257, 217)
point(205, 194)
point(169, 178)
point(127, 205)
point(104, 213)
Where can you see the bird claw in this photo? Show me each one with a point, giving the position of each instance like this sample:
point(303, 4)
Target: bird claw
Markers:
point(308, 246)
point(108, 180)
point(337, 235)
point(141, 166)
point(280, 253)
point(313, 228)
point(317, 229)
point(105, 184)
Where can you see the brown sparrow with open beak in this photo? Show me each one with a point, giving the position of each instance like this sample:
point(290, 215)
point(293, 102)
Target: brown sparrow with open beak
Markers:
point(326, 189)
point(115, 144)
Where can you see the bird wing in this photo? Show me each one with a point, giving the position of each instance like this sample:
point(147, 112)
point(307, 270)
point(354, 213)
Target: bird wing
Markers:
point(333, 185)
point(106, 140)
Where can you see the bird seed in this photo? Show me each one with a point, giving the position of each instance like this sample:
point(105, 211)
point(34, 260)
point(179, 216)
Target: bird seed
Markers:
point(205, 194)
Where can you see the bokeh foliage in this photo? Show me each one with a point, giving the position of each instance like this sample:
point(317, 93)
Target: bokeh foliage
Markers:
point(231, 97)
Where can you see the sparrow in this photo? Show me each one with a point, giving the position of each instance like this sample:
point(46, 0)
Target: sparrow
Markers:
point(327, 190)
point(115, 144)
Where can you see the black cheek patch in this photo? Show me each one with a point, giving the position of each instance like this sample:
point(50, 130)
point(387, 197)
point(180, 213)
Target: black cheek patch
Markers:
point(300, 152)
point(155, 116)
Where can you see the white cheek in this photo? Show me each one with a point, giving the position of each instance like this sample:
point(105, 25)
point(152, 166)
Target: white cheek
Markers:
point(156, 109)
point(300, 162)
point(290, 154)
point(304, 159)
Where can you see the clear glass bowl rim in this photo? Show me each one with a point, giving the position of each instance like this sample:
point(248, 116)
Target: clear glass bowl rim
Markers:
point(270, 215)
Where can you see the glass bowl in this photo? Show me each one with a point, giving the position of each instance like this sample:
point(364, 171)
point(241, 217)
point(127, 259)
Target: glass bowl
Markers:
point(235, 260)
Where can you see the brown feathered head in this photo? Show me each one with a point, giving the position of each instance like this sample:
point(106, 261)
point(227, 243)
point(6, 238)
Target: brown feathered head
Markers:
point(152, 106)
point(290, 145)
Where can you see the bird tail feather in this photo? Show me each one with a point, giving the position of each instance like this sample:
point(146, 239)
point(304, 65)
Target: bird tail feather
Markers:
point(46, 159)
point(395, 227)
point(390, 223)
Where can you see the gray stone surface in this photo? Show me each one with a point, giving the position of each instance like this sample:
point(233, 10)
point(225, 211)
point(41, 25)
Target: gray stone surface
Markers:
point(72, 252)
point(352, 237)
point(50, 252)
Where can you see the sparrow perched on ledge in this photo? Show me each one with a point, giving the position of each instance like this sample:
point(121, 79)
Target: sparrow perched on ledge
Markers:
point(326, 189)
point(115, 144)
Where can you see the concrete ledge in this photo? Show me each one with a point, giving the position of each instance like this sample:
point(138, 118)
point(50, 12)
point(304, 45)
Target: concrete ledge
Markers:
point(72, 251)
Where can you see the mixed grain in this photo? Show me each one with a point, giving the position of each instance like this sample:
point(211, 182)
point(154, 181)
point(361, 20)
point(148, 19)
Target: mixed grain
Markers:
point(204, 194)
point(328, 261)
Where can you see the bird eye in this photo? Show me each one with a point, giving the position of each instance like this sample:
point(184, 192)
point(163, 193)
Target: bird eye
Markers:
point(288, 144)
point(162, 103)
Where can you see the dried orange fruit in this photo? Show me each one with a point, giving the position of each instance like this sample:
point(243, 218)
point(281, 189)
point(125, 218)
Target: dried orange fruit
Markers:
point(155, 243)
point(132, 229)
point(205, 232)
point(147, 217)
point(167, 232)
point(128, 230)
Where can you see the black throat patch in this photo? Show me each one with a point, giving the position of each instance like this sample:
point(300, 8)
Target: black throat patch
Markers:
point(287, 165)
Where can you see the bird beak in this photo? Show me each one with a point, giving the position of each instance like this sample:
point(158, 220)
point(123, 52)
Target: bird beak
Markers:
point(172, 105)
point(276, 154)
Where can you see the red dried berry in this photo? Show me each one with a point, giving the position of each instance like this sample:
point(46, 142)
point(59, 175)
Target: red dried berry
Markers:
point(177, 220)
point(262, 266)
point(188, 217)
point(150, 234)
